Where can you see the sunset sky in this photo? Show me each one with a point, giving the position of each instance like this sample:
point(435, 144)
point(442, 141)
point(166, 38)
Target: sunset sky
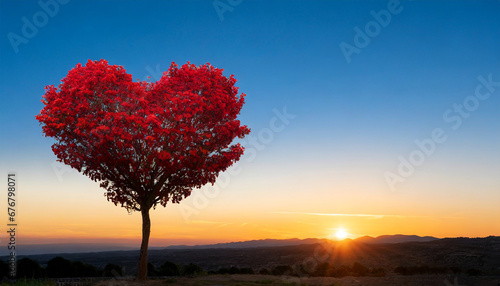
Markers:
point(376, 117)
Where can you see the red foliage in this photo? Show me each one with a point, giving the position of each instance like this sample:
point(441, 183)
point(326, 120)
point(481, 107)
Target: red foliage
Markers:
point(146, 143)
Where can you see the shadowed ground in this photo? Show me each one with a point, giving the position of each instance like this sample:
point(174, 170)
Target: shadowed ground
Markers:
point(250, 280)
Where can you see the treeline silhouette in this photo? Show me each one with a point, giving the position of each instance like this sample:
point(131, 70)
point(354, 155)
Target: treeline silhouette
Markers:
point(415, 270)
point(58, 267)
point(324, 269)
point(171, 269)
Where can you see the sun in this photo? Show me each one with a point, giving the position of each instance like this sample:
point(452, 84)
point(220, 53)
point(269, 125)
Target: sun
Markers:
point(341, 234)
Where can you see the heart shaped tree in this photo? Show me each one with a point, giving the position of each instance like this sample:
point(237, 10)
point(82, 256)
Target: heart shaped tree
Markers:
point(146, 143)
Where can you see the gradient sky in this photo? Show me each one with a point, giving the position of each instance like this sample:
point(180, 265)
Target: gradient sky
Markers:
point(305, 176)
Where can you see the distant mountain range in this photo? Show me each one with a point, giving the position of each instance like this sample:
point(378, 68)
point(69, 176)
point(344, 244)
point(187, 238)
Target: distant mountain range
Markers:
point(397, 238)
point(94, 247)
point(252, 243)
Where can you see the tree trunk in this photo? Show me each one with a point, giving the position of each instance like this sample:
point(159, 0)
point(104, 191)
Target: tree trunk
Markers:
point(142, 274)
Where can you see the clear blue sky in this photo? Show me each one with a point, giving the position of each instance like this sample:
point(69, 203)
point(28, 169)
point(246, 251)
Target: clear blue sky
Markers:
point(353, 120)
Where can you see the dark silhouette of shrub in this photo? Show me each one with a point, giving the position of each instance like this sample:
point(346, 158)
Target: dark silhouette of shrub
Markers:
point(222, 271)
point(401, 270)
point(282, 270)
point(377, 272)
point(59, 267)
point(192, 269)
point(246, 270)
point(235, 270)
point(4, 269)
point(169, 269)
point(112, 270)
point(324, 269)
point(473, 272)
point(152, 270)
point(420, 269)
point(342, 271)
point(424, 269)
point(437, 270)
point(85, 270)
point(264, 271)
point(359, 269)
point(302, 270)
point(29, 268)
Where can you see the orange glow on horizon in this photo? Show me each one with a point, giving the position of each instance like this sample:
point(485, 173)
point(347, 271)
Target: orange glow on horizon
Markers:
point(167, 229)
point(81, 214)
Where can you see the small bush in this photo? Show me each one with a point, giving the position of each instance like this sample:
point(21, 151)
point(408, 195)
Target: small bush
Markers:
point(169, 269)
point(192, 269)
point(59, 267)
point(282, 270)
point(112, 270)
point(377, 272)
point(4, 269)
point(28, 268)
point(264, 271)
point(85, 270)
point(359, 269)
point(473, 272)
point(152, 270)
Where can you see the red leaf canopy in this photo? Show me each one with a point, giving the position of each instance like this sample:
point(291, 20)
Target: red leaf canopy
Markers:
point(146, 143)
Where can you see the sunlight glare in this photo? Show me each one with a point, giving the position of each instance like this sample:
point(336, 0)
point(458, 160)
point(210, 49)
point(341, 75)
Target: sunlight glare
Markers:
point(341, 234)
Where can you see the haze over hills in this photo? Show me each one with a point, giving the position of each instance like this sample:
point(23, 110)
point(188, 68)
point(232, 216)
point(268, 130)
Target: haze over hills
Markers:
point(36, 249)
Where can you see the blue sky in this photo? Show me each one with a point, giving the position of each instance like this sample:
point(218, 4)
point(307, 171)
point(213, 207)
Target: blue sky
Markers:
point(353, 120)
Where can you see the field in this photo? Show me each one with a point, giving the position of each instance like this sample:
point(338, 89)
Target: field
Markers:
point(254, 280)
